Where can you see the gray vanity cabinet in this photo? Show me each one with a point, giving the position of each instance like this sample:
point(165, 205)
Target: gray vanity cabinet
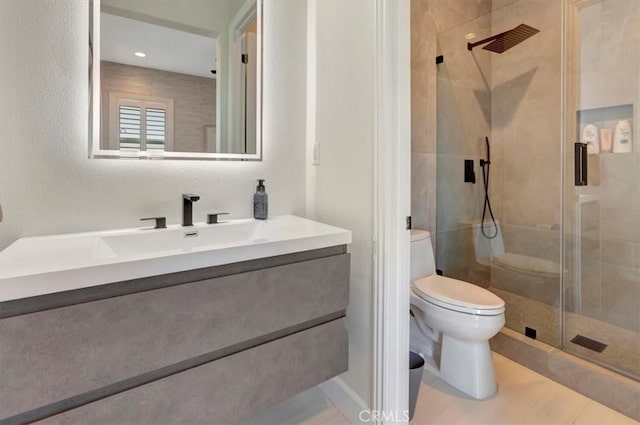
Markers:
point(207, 346)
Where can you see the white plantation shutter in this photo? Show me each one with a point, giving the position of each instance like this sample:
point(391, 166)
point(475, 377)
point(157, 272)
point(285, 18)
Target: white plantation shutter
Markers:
point(140, 124)
point(156, 128)
point(130, 127)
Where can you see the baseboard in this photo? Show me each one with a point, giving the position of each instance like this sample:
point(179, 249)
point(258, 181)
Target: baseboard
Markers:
point(346, 400)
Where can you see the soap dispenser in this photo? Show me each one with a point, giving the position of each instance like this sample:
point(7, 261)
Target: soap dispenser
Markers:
point(260, 202)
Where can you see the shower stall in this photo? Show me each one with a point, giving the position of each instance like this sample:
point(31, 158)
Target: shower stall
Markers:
point(553, 87)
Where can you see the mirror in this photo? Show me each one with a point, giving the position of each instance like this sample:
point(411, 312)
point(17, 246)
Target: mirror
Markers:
point(175, 79)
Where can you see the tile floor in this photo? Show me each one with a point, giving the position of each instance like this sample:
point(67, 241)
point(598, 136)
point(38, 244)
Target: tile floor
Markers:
point(524, 398)
point(307, 408)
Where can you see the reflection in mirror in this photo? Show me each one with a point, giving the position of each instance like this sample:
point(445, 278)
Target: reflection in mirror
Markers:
point(176, 79)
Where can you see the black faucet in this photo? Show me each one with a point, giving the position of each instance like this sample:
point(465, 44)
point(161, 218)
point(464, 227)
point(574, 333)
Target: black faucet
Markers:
point(187, 208)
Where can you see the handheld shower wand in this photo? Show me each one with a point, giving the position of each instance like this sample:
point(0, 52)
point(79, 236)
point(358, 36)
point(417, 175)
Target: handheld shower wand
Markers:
point(487, 202)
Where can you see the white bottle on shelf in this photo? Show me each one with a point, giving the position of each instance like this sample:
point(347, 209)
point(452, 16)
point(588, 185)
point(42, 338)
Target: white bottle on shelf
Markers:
point(591, 136)
point(622, 142)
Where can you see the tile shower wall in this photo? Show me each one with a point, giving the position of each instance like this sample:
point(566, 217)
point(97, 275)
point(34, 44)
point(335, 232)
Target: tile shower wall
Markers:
point(193, 97)
point(447, 106)
point(423, 116)
point(481, 94)
point(605, 74)
point(515, 98)
point(526, 130)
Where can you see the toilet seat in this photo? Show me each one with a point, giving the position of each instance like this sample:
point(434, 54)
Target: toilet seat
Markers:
point(459, 296)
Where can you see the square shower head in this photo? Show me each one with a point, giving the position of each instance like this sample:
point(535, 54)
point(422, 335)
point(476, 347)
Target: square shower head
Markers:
point(508, 39)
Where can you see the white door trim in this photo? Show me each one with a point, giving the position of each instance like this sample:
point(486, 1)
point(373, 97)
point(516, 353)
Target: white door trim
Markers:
point(392, 173)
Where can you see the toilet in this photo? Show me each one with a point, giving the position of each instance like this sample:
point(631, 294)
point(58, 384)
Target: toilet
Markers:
point(452, 322)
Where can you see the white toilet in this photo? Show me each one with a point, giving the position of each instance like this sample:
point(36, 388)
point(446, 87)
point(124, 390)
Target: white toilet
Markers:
point(452, 323)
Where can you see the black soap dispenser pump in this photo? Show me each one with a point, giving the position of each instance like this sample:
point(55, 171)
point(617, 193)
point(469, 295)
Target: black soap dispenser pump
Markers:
point(260, 202)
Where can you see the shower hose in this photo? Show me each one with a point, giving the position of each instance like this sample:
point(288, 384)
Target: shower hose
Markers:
point(487, 202)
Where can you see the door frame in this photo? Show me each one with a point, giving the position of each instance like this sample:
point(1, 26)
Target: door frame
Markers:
point(392, 206)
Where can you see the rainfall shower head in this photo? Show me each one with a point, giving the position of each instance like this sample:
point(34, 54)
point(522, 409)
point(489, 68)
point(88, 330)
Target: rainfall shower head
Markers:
point(504, 41)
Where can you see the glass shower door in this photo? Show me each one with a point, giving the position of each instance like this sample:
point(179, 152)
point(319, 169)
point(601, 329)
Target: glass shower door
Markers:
point(601, 295)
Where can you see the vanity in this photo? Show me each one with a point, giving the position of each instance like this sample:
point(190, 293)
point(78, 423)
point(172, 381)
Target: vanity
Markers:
point(207, 324)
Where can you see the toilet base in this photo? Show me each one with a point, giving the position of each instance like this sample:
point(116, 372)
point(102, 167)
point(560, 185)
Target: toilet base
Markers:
point(467, 366)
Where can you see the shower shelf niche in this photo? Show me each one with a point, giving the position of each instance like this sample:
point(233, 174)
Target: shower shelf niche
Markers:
point(603, 117)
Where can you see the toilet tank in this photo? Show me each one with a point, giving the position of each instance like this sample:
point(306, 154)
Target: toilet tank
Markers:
point(422, 259)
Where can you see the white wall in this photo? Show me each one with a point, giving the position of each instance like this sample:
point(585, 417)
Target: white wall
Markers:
point(340, 189)
point(47, 183)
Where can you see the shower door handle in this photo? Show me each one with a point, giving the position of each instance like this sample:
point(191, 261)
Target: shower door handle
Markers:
point(581, 163)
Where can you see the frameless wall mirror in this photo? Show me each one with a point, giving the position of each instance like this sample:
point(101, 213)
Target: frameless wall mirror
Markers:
point(175, 79)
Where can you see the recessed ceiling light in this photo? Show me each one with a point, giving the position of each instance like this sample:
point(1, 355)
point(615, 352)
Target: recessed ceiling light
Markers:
point(470, 36)
point(140, 54)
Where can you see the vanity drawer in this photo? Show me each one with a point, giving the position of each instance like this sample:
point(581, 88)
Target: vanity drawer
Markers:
point(229, 390)
point(48, 356)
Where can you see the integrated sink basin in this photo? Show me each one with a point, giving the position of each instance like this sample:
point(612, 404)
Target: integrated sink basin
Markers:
point(43, 265)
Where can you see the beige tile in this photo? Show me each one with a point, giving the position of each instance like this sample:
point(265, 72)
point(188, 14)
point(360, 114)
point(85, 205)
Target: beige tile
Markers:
point(497, 4)
point(523, 397)
point(310, 407)
point(531, 353)
point(423, 190)
point(623, 345)
point(597, 414)
point(596, 383)
point(455, 256)
point(555, 404)
point(620, 295)
point(449, 14)
point(458, 203)
point(620, 224)
point(619, 253)
point(521, 312)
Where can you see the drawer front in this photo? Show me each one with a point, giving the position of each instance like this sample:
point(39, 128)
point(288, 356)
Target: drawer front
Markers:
point(51, 355)
point(229, 390)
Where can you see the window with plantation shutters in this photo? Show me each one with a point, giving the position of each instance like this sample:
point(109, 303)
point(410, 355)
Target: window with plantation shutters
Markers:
point(140, 123)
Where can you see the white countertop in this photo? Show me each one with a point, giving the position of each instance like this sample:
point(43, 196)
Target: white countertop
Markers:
point(43, 265)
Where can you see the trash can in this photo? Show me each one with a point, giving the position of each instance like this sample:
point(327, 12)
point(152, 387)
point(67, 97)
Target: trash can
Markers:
point(416, 364)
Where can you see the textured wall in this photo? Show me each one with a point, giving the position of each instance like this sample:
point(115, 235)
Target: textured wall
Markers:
point(341, 189)
point(194, 100)
point(49, 185)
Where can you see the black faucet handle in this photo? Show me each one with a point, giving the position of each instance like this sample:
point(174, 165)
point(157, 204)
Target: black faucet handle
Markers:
point(213, 217)
point(161, 222)
point(191, 197)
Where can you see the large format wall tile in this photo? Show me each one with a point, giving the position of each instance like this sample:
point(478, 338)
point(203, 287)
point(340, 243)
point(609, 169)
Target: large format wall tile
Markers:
point(620, 296)
point(423, 190)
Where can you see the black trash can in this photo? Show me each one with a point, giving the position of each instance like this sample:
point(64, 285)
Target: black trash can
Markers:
point(416, 364)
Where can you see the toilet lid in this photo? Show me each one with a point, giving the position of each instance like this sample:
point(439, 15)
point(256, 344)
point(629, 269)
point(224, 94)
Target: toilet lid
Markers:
point(457, 295)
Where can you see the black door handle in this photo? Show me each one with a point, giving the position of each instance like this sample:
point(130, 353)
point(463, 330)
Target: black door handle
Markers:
point(580, 152)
